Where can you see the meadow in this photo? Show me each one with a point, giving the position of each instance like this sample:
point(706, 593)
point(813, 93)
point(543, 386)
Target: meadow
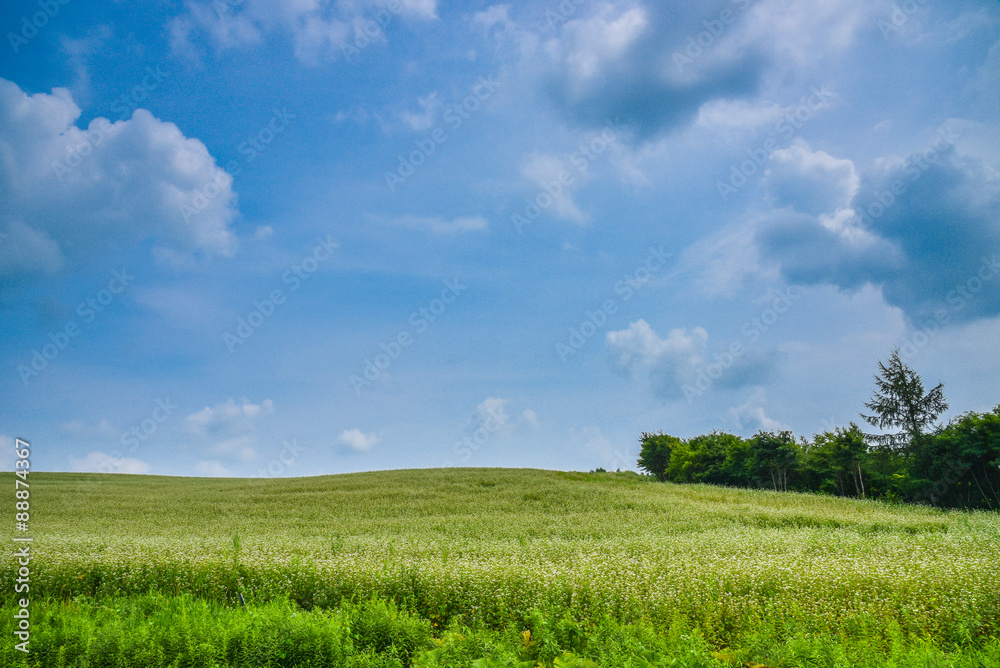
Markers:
point(495, 567)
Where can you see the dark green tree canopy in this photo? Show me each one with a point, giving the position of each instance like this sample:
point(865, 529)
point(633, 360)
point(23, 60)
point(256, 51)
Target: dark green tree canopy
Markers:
point(952, 466)
point(655, 454)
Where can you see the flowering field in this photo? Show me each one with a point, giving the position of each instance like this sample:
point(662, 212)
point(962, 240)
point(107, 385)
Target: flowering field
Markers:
point(737, 577)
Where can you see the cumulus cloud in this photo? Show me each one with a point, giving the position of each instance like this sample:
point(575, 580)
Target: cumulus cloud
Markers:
point(672, 366)
point(70, 193)
point(492, 412)
point(654, 66)
point(751, 417)
point(595, 43)
point(639, 351)
point(813, 182)
point(922, 228)
point(99, 462)
point(357, 440)
point(810, 252)
point(639, 347)
point(227, 417)
point(228, 430)
point(617, 64)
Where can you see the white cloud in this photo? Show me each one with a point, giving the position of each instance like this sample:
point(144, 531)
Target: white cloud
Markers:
point(70, 193)
point(987, 83)
point(672, 365)
point(78, 51)
point(810, 181)
point(545, 172)
point(638, 348)
point(228, 430)
point(437, 225)
point(654, 66)
point(424, 119)
point(228, 417)
point(356, 115)
point(740, 114)
point(229, 27)
point(666, 364)
point(319, 29)
point(917, 227)
point(492, 408)
point(262, 232)
point(491, 418)
point(357, 440)
point(425, 9)
point(809, 30)
point(212, 468)
point(591, 45)
point(179, 30)
point(497, 14)
point(316, 37)
point(99, 462)
point(28, 251)
point(751, 416)
point(614, 61)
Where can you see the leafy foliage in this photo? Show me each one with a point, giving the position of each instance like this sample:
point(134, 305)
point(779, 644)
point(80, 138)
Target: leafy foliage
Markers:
point(655, 453)
point(957, 466)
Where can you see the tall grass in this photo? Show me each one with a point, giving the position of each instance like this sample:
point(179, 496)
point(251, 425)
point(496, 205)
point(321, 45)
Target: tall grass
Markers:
point(156, 631)
point(489, 553)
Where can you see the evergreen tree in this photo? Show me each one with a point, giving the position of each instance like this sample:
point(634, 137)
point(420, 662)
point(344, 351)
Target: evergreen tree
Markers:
point(899, 401)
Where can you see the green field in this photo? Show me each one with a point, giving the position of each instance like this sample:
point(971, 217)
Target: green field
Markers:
point(495, 567)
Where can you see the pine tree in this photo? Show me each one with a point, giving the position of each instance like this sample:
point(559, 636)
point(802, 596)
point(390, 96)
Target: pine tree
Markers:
point(899, 401)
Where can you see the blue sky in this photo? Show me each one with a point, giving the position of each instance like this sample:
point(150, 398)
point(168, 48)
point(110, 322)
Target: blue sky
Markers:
point(298, 237)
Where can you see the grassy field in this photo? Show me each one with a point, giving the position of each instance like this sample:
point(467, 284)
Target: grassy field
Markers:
point(486, 567)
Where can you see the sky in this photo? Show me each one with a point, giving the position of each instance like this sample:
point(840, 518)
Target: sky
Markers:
point(300, 237)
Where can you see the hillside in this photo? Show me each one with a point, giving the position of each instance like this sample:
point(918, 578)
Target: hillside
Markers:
point(482, 504)
point(489, 546)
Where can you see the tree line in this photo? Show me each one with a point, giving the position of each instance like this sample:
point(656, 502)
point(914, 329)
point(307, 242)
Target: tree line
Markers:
point(953, 466)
